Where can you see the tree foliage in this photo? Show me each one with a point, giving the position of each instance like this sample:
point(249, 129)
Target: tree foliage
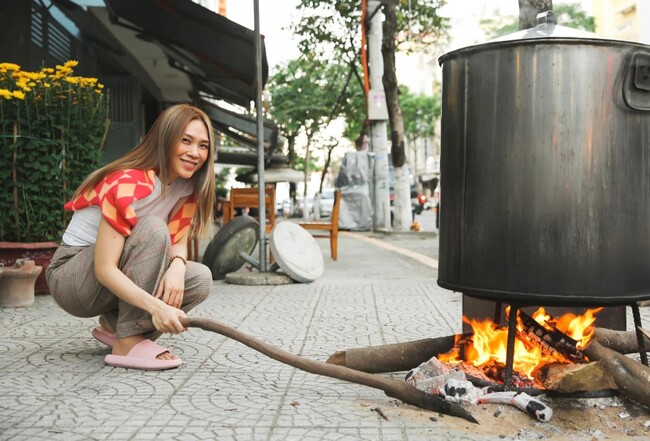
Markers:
point(331, 32)
point(307, 94)
point(420, 114)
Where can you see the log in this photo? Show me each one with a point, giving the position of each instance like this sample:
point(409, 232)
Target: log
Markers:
point(394, 357)
point(624, 342)
point(631, 377)
point(571, 378)
point(393, 388)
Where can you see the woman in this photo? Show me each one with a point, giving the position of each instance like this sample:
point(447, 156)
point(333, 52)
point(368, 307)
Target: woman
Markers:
point(123, 254)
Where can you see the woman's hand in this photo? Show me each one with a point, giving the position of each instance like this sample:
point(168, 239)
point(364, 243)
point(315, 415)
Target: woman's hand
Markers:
point(172, 284)
point(166, 319)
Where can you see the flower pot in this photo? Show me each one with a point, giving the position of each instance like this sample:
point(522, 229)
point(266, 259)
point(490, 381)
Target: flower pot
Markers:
point(17, 283)
point(40, 252)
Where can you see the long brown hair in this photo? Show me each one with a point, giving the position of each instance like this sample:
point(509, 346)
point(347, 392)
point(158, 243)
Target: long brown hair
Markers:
point(154, 152)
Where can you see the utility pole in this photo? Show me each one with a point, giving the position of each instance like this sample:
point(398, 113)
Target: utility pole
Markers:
point(260, 139)
point(378, 115)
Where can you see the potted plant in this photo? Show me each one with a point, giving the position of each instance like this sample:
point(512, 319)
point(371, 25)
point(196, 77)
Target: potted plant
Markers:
point(52, 129)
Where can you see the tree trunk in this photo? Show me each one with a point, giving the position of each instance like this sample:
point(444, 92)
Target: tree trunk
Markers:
point(305, 212)
point(328, 160)
point(291, 147)
point(528, 10)
point(401, 178)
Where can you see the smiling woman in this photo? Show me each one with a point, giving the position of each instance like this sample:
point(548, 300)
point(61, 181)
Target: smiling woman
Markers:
point(191, 151)
point(124, 253)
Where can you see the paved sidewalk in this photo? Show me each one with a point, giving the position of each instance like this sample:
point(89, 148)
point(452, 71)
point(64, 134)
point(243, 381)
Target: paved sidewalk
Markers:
point(55, 386)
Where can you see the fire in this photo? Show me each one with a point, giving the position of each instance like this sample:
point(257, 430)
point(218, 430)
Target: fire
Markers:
point(489, 344)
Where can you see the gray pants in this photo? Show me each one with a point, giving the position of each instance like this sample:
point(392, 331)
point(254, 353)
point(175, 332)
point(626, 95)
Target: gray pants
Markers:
point(74, 287)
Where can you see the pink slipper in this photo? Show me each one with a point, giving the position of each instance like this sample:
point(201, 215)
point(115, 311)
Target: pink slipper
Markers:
point(104, 336)
point(143, 356)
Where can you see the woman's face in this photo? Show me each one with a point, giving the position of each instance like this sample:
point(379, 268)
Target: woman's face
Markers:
point(190, 153)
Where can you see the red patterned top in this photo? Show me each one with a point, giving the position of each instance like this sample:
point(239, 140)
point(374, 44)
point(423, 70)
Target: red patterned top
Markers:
point(116, 192)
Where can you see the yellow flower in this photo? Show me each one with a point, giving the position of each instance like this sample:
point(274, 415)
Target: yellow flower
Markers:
point(33, 75)
point(6, 94)
point(18, 94)
point(72, 80)
point(88, 81)
point(9, 66)
point(70, 63)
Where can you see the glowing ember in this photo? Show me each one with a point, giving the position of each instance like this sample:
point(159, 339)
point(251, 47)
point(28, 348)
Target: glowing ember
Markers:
point(488, 345)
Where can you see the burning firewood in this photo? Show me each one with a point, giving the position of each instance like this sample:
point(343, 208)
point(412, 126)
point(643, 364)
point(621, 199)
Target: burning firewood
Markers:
point(437, 378)
point(549, 341)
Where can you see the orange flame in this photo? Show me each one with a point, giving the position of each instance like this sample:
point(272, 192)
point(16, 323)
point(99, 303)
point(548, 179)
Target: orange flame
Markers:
point(489, 343)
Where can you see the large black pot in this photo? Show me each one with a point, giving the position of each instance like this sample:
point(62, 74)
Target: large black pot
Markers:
point(545, 169)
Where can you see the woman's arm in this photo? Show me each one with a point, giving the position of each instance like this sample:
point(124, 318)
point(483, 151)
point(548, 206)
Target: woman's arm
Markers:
point(172, 284)
point(108, 251)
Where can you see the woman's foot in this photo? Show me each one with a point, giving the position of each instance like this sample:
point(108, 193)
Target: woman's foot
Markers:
point(124, 345)
point(137, 352)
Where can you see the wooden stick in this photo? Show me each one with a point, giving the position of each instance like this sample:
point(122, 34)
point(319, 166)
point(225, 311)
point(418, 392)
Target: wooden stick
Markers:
point(393, 388)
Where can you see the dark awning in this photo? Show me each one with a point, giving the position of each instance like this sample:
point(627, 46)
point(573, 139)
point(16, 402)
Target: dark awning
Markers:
point(216, 53)
point(242, 128)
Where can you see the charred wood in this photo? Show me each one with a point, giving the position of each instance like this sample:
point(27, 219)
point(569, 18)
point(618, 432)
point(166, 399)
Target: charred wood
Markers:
point(551, 342)
point(521, 401)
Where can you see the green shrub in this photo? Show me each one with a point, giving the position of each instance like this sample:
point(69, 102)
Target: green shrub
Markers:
point(52, 129)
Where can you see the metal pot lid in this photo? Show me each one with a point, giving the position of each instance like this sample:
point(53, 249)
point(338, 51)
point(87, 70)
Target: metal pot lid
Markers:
point(296, 252)
point(546, 29)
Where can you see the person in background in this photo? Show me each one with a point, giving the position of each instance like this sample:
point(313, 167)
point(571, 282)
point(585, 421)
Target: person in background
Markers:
point(123, 256)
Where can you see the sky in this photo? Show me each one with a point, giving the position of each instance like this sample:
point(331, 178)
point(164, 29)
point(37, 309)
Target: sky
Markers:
point(274, 15)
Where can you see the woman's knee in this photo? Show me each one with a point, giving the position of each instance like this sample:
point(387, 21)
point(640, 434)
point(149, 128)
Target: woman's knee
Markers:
point(150, 230)
point(202, 280)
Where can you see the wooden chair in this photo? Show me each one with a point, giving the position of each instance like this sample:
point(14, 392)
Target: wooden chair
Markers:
point(331, 228)
point(249, 198)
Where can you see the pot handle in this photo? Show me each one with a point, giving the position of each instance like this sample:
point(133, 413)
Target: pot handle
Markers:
point(636, 87)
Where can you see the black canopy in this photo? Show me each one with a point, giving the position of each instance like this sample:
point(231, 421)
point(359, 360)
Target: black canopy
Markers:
point(216, 53)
